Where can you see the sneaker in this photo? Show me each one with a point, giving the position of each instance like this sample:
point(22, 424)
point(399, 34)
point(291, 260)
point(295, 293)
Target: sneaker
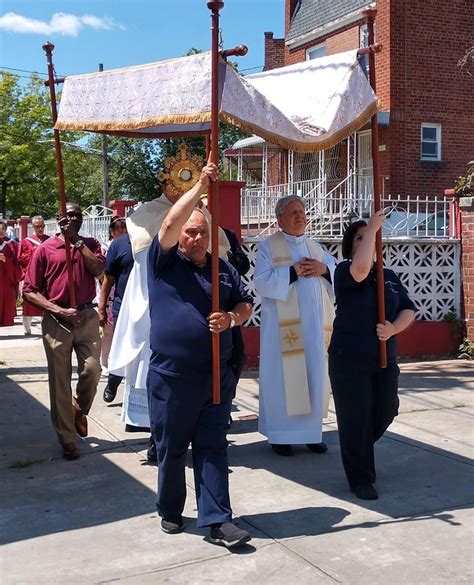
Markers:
point(109, 394)
point(228, 535)
point(172, 527)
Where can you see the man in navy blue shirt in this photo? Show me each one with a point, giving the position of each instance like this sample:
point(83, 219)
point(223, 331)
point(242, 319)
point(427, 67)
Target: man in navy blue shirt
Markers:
point(180, 372)
point(118, 265)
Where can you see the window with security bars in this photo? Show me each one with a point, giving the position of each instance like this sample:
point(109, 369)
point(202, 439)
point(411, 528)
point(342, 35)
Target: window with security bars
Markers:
point(431, 142)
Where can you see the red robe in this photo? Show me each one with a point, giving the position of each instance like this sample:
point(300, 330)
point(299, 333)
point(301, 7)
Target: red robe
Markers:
point(25, 253)
point(9, 277)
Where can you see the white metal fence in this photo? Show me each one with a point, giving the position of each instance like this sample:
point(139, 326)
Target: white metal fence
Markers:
point(330, 213)
point(429, 269)
point(418, 240)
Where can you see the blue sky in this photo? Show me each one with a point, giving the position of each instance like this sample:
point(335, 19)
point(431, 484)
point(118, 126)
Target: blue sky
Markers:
point(119, 33)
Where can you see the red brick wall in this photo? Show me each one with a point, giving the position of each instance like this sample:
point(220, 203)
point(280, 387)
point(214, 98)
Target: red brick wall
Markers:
point(290, 6)
point(274, 52)
point(426, 41)
point(468, 270)
point(343, 41)
point(276, 168)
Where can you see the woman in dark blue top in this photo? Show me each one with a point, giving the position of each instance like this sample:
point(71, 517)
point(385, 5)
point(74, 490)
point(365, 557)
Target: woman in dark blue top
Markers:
point(365, 395)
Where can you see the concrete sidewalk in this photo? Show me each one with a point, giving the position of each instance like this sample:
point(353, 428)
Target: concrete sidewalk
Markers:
point(94, 520)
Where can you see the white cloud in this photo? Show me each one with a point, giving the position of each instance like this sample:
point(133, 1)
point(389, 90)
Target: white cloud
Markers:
point(60, 23)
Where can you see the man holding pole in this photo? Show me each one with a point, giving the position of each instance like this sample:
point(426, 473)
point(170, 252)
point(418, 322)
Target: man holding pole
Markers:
point(180, 373)
point(65, 327)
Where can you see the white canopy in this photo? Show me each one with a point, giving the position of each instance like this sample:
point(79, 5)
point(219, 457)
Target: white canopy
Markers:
point(305, 107)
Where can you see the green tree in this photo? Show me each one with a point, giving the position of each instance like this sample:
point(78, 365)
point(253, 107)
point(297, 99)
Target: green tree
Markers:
point(133, 166)
point(28, 172)
point(26, 168)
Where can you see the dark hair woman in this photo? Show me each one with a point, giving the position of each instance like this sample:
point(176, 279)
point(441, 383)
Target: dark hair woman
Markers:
point(117, 227)
point(365, 395)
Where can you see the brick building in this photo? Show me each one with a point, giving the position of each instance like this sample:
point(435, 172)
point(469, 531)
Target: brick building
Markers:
point(426, 129)
point(426, 138)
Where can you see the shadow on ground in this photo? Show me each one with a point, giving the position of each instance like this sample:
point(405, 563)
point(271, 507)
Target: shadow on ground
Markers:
point(40, 495)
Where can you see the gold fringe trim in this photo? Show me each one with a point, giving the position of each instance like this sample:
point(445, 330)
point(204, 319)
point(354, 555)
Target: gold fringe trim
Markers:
point(104, 126)
point(148, 135)
point(205, 117)
point(304, 146)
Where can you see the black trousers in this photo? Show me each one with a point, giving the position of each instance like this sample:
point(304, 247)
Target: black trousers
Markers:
point(182, 413)
point(366, 400)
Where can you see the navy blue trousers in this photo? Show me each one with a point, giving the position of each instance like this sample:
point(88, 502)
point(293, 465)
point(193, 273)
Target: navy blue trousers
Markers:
point(182, 413)
point(366, 400)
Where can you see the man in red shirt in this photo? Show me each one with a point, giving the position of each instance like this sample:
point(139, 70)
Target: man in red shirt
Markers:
point(67, 328)
point(25, 252)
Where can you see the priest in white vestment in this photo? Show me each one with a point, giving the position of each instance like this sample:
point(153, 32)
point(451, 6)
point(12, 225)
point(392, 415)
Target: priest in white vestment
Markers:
point(293, 275)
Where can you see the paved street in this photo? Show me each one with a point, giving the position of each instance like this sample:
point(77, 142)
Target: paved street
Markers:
point(93, 520)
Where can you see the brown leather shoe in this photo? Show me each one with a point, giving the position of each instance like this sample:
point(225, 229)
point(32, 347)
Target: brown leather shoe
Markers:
point(80, 422)
point(70, 451)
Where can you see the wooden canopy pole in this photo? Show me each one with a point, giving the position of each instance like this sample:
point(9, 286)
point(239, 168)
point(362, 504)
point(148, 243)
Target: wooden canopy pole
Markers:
point(214, 6)
point(48, 49)
point(369, 15)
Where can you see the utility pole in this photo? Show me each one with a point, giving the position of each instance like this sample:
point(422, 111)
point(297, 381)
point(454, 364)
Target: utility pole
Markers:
point(105, 164)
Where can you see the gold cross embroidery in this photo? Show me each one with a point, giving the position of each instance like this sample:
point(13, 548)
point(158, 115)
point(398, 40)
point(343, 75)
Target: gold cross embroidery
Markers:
point(291, 338)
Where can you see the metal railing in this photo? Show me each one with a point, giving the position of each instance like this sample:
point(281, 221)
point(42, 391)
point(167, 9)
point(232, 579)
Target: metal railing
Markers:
point(258, 204)
point(329, 214)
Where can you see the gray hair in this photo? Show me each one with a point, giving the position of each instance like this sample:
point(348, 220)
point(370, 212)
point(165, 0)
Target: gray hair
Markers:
point(283, 203)
point(37, 218)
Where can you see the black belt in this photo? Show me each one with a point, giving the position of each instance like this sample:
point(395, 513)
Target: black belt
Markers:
point(79, 307)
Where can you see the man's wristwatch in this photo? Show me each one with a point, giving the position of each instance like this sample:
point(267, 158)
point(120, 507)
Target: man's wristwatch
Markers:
point(232, 320)
point(78, 244)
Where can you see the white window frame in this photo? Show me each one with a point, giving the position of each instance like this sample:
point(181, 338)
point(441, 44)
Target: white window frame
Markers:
point(363, 36)
point(437, 141)
point(315, 48)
